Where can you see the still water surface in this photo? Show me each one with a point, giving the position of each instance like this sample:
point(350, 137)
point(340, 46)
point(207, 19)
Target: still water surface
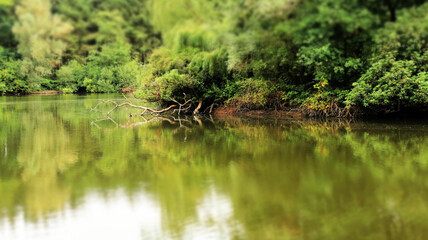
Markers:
point(65, 173)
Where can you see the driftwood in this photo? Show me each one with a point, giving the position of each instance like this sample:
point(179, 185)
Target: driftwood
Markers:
point(145, 109)
point(198, 107)
point(176, 108)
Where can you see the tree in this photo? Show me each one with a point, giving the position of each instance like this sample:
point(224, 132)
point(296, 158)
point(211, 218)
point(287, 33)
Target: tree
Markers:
point(6, 22)
point(331, 36)
point(398, 76)
point(387, 9)
point(40, 35)
point(6, 2)
point(99, 22)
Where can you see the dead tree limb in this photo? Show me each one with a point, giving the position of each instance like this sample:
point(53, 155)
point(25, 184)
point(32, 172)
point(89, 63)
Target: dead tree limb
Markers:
point(176, 107)
point(210, 108)
point(182, 106)
point(198, 107)
point(117, 105)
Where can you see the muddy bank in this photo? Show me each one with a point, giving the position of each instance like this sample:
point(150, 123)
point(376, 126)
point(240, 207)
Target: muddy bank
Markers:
point(298, 113)
point(233, 111)
point(50, 92)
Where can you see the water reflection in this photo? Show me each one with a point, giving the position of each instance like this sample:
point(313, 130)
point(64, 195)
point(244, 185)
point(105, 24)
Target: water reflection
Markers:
point(66, 173)
point(44, 151)
point(99, 218)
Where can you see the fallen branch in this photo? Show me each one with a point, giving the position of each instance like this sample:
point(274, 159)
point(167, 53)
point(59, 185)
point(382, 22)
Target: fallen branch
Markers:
point(117, 105)
point(182, 107)
point(209, 108)
point(198, 107)
point(176, 107)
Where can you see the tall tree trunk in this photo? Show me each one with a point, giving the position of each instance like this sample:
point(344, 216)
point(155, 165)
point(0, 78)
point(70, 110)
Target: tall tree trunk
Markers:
point(391, 8)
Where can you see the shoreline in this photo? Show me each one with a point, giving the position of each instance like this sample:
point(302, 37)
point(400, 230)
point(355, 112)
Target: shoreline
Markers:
point(300, 113)
point(287, 113)
point(262, 113)
point(48, 92)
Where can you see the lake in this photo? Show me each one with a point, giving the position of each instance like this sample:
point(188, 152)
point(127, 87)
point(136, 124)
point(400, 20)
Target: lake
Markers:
point(67, 172)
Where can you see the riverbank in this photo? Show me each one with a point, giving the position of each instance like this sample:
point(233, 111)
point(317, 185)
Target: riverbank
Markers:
point(300, 113)
point(49, 92)
point(263, 113)
point(296, 112)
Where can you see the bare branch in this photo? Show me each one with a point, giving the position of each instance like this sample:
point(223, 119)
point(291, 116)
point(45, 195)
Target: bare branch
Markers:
point(126, 98)
point(182, 107)
point(198, 107)
point(117, 105)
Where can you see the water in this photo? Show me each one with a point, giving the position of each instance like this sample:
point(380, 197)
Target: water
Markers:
point(70, 173)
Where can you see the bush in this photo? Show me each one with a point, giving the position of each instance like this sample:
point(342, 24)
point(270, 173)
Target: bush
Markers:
point(189, 73)
point(107, 70)
point(70, 76)
point(391, 84)
point(398, 76)
point(252, 93)
point(11, 79)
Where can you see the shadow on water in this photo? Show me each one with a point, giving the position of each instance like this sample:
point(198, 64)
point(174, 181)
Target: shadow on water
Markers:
point(63, 168)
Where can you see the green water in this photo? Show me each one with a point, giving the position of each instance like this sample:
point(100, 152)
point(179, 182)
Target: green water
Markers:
point(67, 174)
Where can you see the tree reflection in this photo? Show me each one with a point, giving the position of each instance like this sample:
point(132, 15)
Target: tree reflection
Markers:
point(44, 153)
point(280, 179)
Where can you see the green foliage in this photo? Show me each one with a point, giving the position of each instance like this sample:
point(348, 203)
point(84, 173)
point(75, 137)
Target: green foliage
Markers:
point(167, 15)
point(11, 79)
point(6, 2)
point(399, 65)
point(194, 37)
point(40, 35)
point(111, 55)
point(71, 76)
point(324, 102)
point(100, 22)
point(6, 23)
point(107, 70)
point(331, 37)
point(252, 93)
point(190, 73)
point(258, 53)
point(321, 100)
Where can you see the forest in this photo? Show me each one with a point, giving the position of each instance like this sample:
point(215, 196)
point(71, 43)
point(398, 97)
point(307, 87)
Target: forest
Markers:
point(317, 55)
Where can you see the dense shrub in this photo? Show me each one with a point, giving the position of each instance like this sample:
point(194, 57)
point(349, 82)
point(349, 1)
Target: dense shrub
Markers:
point(107, 70)
point(331, 37)
point(11, 79)
point(252, 93)
point(189, 73)
point(398, 76)
point(319, 55)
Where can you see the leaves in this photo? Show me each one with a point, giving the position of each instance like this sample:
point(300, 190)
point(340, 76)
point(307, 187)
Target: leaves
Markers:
point(397, 76)
point(6, 2)
point(40, 35)
point(372, 54)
